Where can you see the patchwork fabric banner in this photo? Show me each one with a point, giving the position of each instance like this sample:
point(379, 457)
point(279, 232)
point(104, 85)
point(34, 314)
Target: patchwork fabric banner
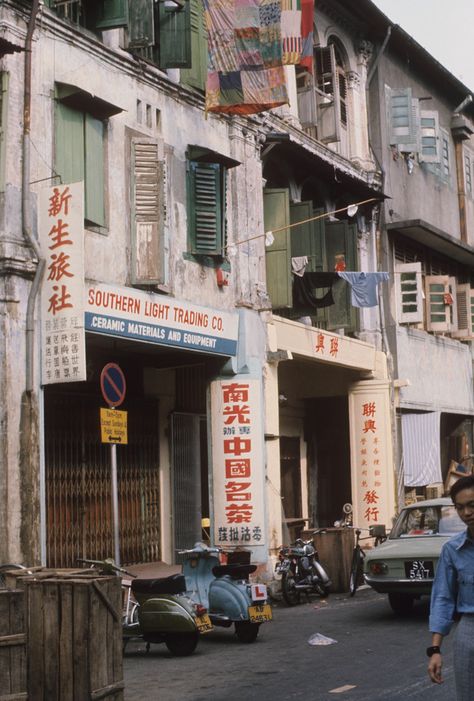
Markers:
point(307, 19)
point(297, 18)
point(245, 56)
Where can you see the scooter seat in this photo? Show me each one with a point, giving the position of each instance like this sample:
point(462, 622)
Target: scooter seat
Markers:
point(176, 584)
point(234, 571)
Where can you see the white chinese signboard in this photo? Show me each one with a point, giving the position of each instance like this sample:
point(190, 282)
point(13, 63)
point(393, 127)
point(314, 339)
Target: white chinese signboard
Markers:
point(238, 462)
point(371, 445)
point(61, 233)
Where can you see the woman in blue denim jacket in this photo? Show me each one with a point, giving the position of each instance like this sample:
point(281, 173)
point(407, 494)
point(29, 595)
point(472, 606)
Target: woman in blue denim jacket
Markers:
point(453, 592)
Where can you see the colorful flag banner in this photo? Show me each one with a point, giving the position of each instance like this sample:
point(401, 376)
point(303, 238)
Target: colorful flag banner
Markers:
point(307, 19)
point(245, 56)
point(291, 38)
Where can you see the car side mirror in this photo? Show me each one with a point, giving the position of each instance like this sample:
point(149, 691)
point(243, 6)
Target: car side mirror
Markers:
point(378, 531)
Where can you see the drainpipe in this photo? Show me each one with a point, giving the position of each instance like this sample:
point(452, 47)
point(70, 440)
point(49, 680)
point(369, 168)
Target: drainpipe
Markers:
point(26, 216)
point(461, 131)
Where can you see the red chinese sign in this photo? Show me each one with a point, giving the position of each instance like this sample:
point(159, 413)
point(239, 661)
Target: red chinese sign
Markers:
point(61, 233)
point(372, 473)
point(237, 451)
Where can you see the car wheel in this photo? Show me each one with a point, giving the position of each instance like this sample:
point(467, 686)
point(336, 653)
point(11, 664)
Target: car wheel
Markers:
point(401, 603)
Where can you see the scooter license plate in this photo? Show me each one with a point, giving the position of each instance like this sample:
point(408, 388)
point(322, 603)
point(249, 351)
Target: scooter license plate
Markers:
point(260, 613)
point(203, 623)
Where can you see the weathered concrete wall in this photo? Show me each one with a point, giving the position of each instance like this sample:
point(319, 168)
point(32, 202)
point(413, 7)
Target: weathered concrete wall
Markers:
point(439, 370)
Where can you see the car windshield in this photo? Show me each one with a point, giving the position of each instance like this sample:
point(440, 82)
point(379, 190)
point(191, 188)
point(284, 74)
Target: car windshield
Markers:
point(427, 520)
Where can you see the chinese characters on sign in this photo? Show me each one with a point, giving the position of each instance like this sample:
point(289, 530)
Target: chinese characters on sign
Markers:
point(61, 218)
point(326, 345)
point(237, 440)
point(371, 451)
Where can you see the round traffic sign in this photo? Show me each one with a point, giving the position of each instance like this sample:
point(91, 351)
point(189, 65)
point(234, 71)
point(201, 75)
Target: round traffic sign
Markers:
point(112, 384)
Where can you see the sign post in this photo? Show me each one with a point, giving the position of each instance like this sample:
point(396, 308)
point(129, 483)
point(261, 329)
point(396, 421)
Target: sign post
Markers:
point(113, 387)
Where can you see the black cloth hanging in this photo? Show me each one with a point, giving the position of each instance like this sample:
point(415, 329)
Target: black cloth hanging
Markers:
point(304, 286)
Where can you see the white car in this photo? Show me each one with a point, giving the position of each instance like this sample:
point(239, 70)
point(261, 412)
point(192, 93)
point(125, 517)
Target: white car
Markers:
point(404, 565)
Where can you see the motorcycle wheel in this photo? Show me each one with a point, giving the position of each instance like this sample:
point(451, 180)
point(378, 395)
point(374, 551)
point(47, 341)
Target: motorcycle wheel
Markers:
point(291, 595)
point(246, 632)
point(182, 644)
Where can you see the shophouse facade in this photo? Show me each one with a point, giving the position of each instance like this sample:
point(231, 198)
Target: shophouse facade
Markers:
point(248, 404)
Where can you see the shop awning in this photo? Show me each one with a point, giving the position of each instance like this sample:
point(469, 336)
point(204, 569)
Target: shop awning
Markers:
point(428, 235)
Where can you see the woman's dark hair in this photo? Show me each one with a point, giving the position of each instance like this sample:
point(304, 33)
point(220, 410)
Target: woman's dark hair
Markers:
point(462, 483)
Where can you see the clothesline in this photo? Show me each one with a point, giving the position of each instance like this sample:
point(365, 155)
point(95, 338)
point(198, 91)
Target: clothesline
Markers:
point(303, 221)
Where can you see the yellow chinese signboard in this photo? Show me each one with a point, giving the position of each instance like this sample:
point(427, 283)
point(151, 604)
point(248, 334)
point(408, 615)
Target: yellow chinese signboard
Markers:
point(113, 426)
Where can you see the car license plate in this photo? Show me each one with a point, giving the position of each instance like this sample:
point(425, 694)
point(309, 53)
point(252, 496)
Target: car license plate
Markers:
point(419, 569)
point(260, 613)
point(203, 623)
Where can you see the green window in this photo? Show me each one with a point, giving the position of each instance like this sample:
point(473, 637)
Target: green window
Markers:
point(206, 208)
point(196, 75)
point(159, 31)
point(79, 156)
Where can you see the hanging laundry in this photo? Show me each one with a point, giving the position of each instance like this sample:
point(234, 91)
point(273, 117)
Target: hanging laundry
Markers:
point(364, 287)
point(303, 290)
point(298, 265)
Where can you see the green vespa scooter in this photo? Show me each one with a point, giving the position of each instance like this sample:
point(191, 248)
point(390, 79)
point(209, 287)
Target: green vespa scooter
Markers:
point(225, 590)
point(158, 610)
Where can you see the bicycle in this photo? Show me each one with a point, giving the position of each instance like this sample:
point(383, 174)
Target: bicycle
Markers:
point(376, 532)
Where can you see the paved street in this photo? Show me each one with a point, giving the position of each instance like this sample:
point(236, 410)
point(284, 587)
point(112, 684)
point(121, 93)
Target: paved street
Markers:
point(377, 657)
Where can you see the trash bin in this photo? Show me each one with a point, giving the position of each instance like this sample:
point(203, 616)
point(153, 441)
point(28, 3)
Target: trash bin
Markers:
point(335, 546)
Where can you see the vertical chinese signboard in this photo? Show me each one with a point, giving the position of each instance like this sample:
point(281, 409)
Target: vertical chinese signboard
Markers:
point(373, 486)
point(61, 233)
point(238, 462)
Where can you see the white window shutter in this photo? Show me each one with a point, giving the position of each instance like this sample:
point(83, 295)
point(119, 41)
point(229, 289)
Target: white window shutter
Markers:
point(329, 125)
point(437, 311)
point(307, 111)
point(403, 116)
point(409, 290)
point(463, 299)
point(430, 147)
point(148, 211)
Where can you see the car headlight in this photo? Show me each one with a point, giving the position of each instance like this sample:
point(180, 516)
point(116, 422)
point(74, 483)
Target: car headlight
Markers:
point(378, 567)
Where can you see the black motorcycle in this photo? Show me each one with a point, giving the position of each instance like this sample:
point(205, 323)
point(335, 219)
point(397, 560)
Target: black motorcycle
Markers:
point(301, 571)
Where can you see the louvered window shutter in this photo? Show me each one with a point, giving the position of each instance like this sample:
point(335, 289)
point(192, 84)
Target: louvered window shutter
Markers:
point(141, 24)
point(196, 75)
point(464, 298)
point(437, 311)
point(403, 119)
point(148, 215)
point(175, 35)
point(430, 151)
point(408, 285)
point(307, 110)
point(329, 126)
point(276, 204)
point(206, 210)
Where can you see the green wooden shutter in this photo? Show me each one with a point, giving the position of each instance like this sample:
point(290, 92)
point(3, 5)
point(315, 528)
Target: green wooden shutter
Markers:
point(141, 25)
point(276, 204)
point(196, 75)
point(112, 13)
point(307, 239)
point(148, 212)
point(69, 144)
point(175, 36)
point(205, 208)
point(94, 170)
point(341, 240)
